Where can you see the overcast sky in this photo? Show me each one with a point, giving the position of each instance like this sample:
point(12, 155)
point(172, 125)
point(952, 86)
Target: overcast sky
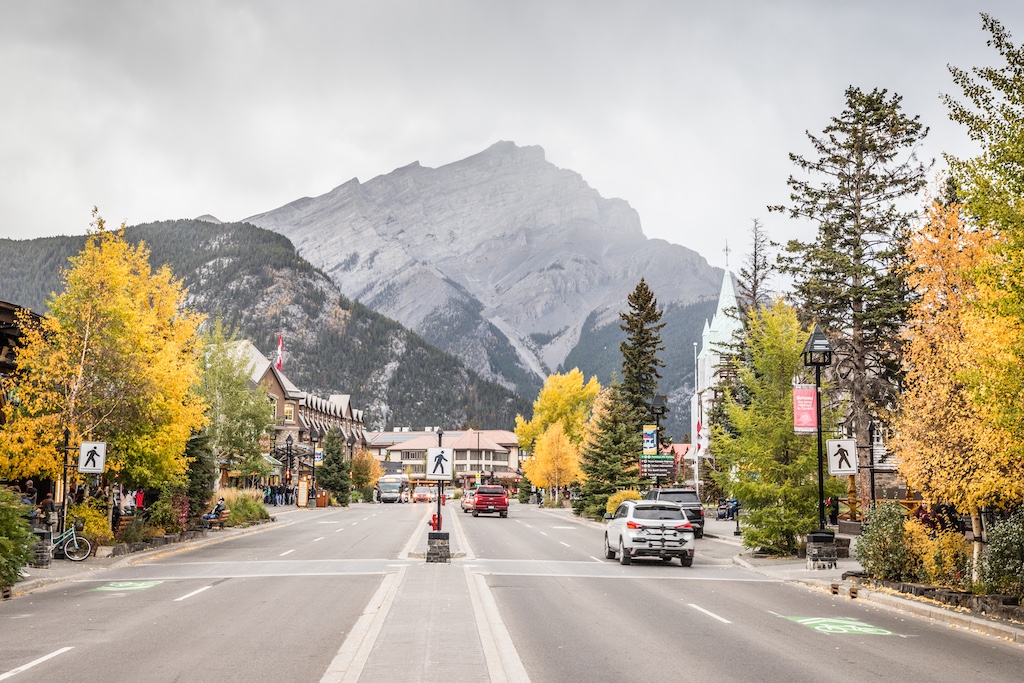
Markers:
point(687, 110)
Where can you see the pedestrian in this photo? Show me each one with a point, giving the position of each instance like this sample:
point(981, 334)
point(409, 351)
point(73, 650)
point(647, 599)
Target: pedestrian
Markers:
point(31, 493)
point(80, 494)
point(46, 508)
point(140, 499)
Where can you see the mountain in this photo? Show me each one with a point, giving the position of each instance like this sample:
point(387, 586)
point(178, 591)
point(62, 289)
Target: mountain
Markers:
point(257, 283)
point(514, 265)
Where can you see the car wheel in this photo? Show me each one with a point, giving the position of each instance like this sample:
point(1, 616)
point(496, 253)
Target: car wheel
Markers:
point(475, 513)
point(699, 533)
point(624, 557)
point(609, 554)
point(686, 560)
point(504, 514)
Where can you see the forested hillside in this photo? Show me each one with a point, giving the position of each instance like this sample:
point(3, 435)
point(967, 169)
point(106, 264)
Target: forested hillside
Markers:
point(258, 284)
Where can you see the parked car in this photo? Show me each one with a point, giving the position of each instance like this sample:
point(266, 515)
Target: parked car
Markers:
point(422, 494)
point(467, 500)
point(649, 528)
point(490, 498)
point(688, 500)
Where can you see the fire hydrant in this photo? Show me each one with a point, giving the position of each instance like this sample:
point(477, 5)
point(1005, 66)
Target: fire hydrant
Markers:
point(435, 523)
point(443, 499)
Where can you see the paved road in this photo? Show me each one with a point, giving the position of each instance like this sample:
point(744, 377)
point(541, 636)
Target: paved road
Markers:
point(344, 594)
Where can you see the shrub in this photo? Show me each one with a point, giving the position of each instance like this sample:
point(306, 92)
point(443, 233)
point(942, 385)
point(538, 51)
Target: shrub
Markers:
point(170, 511)
point(943, 558)
point(16, 539)
point(246, 505)
point(616, 499)
point(97, 526)
point(882, 548)
point(1002, 565)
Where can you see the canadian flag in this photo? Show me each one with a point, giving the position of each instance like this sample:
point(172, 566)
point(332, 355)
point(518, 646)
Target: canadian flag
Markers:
point(280, 352)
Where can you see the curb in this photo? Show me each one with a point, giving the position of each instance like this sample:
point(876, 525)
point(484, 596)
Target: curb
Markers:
point(950, 616)
point(35, 583)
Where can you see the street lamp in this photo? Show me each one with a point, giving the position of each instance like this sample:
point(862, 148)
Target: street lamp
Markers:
point(658, 408)
point(288, 451)
point(314, 437)
point(818, 353)
point(350, 442)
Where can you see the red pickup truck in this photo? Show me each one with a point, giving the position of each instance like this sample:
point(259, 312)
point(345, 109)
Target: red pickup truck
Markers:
point(490, 499)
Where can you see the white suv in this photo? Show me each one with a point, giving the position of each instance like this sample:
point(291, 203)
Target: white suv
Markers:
point(649, 528)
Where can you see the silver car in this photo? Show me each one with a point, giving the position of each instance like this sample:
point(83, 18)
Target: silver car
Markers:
point(649, 528)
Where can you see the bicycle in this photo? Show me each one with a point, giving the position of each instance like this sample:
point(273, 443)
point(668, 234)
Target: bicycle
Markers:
point(76, 548)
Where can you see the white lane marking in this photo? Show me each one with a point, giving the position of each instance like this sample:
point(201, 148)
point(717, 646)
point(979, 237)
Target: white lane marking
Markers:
point(26, 667)
point(348, 664)
point(543, 534)
point(503, 661)
point(354, 523)
point(595, 559)
point(710, 614)
point(195, 592)
point(286, 552)
point(318, 539)
point(339, 530)
point(460, 540)
point(565, 544)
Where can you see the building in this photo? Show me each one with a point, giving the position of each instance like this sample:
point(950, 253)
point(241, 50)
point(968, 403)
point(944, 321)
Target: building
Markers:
point(301, 416)
point(718, 334)
point(481, 456)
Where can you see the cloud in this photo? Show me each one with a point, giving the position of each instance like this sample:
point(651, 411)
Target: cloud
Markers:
point(686, 110)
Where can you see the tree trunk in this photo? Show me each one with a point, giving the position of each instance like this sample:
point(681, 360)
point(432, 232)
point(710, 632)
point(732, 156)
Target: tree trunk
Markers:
point(976, 529)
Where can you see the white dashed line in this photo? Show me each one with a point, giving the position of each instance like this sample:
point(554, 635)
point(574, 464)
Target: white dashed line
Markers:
point(710, 614)
point(189, 595)
point(26, 667)
point(286, 552)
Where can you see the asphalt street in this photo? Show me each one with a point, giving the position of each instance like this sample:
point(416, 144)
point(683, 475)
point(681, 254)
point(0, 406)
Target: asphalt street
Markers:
point(344, 594)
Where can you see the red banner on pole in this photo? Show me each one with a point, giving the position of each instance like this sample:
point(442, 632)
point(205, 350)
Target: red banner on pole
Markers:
point(805, 409)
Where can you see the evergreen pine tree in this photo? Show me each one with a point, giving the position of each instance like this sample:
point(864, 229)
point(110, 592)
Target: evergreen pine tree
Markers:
point(849, 278)
point(334, 474)
point(201, 475)
point(610, 458)
point(640, 361)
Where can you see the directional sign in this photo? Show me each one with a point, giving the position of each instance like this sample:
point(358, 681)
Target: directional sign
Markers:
point(842, 456)
point(439, 463)
point(92, 457)
point(662, 465)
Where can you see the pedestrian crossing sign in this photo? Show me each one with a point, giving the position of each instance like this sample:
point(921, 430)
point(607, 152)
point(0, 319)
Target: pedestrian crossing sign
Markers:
point(842, 456)
point(92, 457)
point(439, 463)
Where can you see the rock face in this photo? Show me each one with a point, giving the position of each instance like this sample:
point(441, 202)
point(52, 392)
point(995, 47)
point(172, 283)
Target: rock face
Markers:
point(499, 258)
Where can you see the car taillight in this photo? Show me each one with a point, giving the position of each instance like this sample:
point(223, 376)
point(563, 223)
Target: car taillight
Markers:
point(634, 525)
point(685, 525)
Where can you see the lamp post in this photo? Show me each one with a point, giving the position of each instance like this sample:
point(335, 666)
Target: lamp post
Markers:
point(658, 408)
point(314, 437)
point(288, 452)
point(64, 483)
point(818, 353)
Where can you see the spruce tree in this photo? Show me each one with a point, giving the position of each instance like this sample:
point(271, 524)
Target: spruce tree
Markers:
point(334, 473)
point(849, 277)
point(610, 457)
point(640, 349)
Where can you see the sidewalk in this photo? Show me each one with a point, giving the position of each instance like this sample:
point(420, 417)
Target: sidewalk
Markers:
point(794, 570)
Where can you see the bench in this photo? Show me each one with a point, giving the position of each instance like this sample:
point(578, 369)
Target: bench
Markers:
point(221, 519)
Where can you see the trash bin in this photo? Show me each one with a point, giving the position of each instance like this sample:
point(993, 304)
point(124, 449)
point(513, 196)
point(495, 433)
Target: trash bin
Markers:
point(821, 550)
point(323, 499)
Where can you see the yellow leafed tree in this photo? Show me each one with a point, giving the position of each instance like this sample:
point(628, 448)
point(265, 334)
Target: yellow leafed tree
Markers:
point(114, 360)
point(949, 442)
point(565, 399)
point(556, 460)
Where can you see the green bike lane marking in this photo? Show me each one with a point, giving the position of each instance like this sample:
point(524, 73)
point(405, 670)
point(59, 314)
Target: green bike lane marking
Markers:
point(118, 586)
point(840, 625)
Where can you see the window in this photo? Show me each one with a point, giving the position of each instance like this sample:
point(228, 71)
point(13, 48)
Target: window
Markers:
point(289, 412)
point(273, 408)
